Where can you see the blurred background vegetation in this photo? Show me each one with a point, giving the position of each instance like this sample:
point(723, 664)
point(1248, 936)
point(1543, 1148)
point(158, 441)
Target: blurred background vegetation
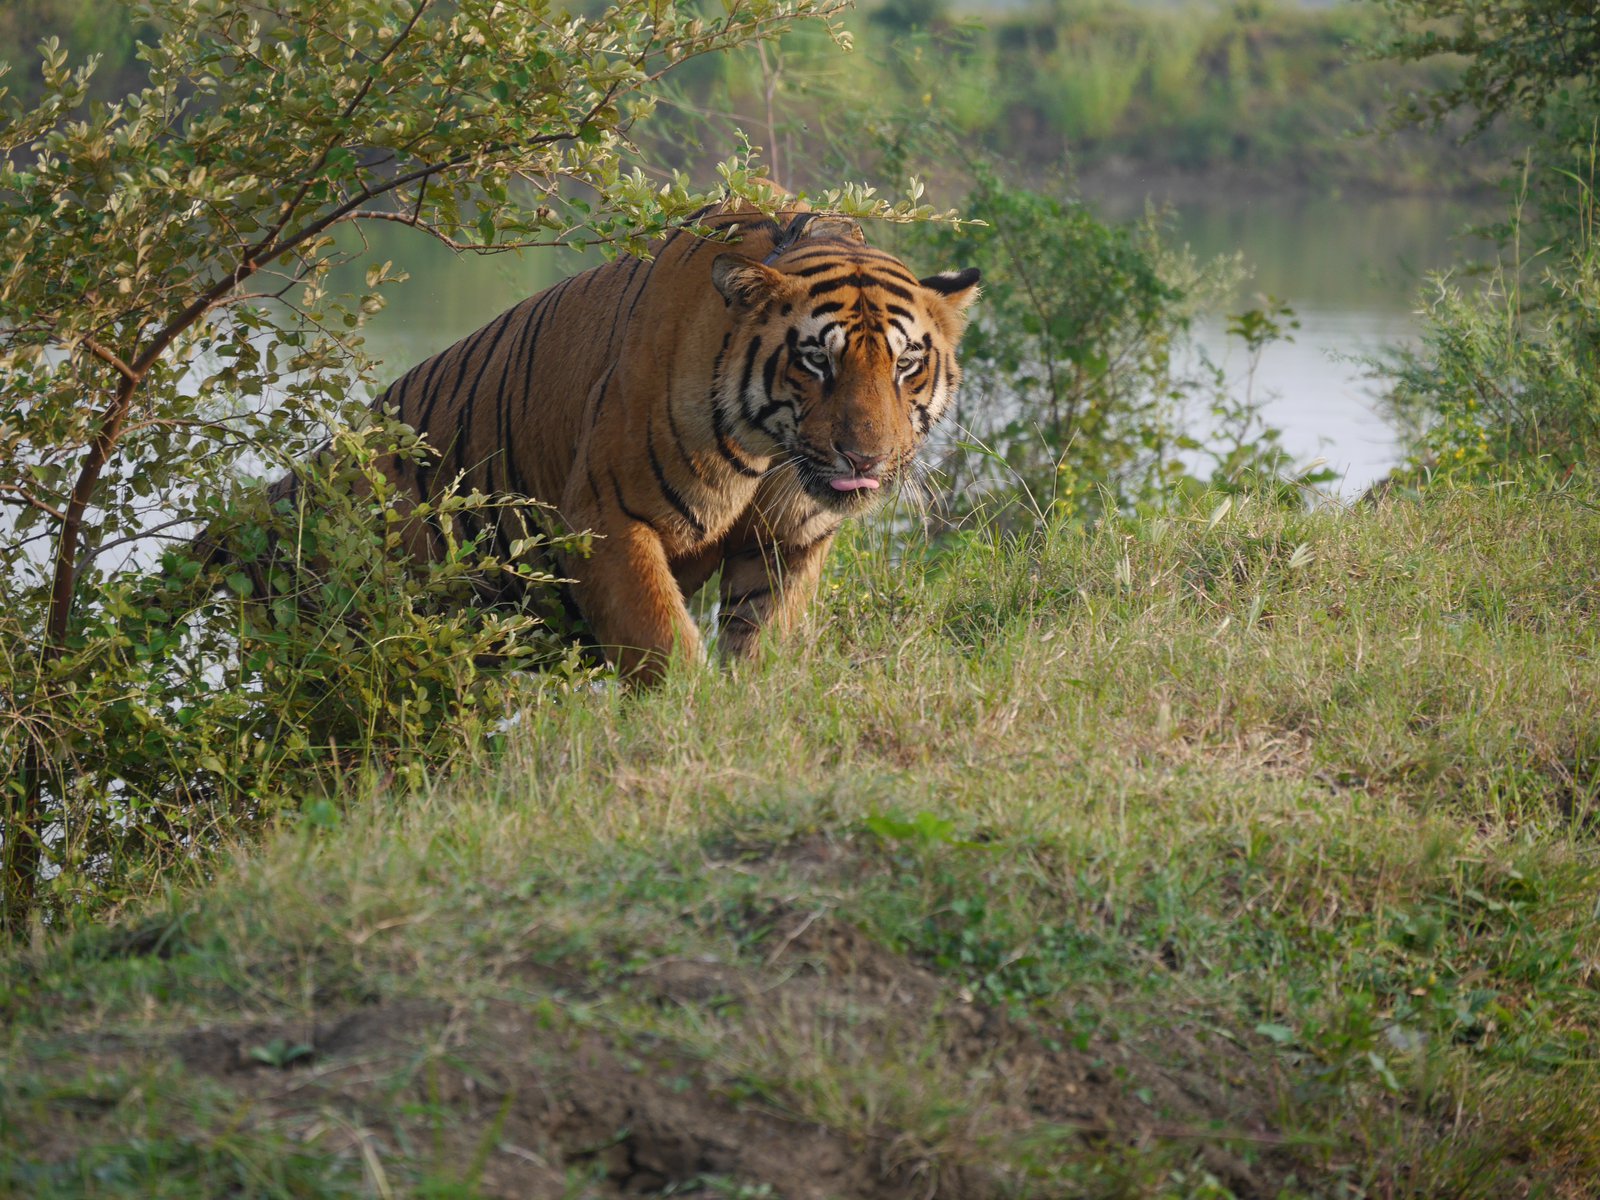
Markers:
point(1270, 91)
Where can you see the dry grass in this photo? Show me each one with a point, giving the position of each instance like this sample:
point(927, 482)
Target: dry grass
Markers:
point(1197, 857)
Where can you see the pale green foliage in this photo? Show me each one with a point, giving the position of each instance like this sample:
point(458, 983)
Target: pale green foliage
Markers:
point(1076, 381)
point(168, 319)
point(1507, 378)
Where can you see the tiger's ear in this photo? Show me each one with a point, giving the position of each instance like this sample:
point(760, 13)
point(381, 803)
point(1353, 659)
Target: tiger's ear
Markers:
point(835, 227)
point(744, 283)
point(958, 288)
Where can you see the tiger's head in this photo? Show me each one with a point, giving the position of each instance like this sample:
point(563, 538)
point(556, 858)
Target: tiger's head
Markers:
point(840, 360)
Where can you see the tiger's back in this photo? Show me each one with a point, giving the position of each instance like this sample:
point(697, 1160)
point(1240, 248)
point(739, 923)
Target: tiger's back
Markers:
point(722, 404)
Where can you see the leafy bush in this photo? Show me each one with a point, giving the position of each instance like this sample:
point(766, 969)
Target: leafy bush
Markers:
point(1504, 383)
point(1506, 380)
point(1076, 396)
point(1068, 368)
point(179, 714)
point(170, 322)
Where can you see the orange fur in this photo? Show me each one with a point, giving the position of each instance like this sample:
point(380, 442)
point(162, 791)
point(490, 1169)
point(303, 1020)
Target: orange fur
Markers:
point(691, 410)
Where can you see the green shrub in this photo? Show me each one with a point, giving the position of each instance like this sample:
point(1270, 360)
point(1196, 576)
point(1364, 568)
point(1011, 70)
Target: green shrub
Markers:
point(192, 702)
point(1079, 384)
point(1068, 364)
point(1508, 375)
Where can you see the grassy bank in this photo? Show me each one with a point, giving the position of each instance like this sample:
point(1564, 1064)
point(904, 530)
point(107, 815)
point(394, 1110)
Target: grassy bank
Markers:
point(1178, 99)
point(1251, 96)
point(1239, 853)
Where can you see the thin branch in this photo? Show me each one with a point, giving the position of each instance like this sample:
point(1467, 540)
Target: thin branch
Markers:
point(286, 213)
point(412, 221)
point(95, 552)
point(33, 501)
point(110, 357)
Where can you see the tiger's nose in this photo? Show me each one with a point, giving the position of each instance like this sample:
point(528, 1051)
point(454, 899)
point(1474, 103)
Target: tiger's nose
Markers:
point(864, 464)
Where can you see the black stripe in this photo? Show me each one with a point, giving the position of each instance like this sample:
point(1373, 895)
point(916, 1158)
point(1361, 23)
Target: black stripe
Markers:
point(819, 268)
point(544, 306)
point(719, 428)
point(514, 480)
point(622, 294)
point(465, 346)
point(431, 393)
point(925, 411)
point(823, 286)
point(469, 405)
point(831, 306)
point(600, 397)
point(677, 437)
point(643, 284)
point(667, 490)
point(769, 409)
point(850, 253)
point(700, 243)
point(755, 593)
point(413, 465)
point(763, 228)
point(769, 371)
point(744, 379)
point(547, 304)
point(720, 431)
point(616, 489)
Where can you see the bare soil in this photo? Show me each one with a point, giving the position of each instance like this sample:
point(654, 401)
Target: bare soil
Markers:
point(526, 1104)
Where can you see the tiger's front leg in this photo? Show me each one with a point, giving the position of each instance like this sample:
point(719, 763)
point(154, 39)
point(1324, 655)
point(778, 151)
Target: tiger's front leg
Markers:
point(766, 585)
point(627, 592)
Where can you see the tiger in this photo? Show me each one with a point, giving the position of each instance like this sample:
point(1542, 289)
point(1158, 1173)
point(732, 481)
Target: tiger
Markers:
point(725, 402)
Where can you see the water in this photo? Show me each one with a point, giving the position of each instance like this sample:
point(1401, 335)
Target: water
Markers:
point(1350, 269)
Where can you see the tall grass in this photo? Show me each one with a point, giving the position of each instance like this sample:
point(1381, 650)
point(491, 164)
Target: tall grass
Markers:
point(1508, 375)
point(1288, 813)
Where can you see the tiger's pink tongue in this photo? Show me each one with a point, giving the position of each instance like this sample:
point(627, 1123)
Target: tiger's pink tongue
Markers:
point(851, 485)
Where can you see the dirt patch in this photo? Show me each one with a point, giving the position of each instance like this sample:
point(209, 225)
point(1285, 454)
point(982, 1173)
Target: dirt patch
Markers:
point(823, 1067)
point(808, 856)
point(527, 1107)
point(1016, 1076)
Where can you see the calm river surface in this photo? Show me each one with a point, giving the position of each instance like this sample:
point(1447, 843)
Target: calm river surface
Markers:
point(1350, 269)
